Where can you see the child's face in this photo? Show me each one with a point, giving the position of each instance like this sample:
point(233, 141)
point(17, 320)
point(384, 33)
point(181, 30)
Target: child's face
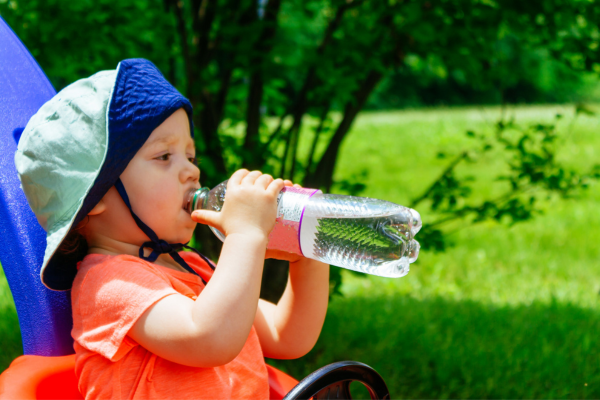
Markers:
point(160, 177)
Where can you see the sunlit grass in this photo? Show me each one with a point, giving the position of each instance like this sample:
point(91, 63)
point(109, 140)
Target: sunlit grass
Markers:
point(441, 348)
point(507, 312)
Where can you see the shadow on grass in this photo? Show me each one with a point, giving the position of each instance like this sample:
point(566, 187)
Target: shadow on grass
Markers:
point(442, 349)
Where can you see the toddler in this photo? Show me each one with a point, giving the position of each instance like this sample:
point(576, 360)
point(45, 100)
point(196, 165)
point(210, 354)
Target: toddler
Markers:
point(107, 166)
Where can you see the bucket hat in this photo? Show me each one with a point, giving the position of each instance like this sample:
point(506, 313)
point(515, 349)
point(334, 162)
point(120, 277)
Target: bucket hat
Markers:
point(74, 149)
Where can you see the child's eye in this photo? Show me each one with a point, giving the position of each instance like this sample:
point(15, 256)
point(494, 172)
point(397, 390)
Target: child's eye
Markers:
point(193, 160)
point(164, 157)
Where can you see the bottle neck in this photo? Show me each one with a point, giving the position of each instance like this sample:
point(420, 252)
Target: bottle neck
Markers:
point(197, 199)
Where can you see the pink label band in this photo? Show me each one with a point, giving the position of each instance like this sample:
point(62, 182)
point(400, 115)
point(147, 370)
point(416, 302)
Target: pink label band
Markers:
point(285, 235)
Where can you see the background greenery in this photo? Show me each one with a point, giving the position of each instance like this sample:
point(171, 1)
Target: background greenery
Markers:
point(506, 312)
point(503, 299)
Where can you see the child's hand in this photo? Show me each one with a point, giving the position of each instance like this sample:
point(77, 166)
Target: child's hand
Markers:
point(250, 205)
point(282, 255)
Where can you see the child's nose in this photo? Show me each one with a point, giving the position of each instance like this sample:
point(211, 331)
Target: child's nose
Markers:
point(189, 172)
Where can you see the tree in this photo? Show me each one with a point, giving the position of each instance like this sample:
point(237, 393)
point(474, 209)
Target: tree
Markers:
point(255, 71)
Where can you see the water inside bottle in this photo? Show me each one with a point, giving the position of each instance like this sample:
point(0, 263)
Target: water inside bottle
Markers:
point(363, 234)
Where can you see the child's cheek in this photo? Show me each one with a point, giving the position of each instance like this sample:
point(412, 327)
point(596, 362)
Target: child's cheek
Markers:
point(163, 203)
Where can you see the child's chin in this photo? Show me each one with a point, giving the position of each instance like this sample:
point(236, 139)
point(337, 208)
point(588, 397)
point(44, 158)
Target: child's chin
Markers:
point(181, 234)
point(185, 238)
point(176, 238)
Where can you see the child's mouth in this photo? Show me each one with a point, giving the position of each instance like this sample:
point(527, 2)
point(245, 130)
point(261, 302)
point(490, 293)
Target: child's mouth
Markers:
point(187, 200)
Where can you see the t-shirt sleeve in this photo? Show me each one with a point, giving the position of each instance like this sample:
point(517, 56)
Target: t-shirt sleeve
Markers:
point(111, 298)
point(202, 265)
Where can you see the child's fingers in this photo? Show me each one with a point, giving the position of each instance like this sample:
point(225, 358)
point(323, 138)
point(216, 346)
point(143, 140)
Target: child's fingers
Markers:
point(251, 178)
point(264, 180)
point(282, 255)
point(207, 217)
point(238, 176)
point(276, 186)
point(287, 182)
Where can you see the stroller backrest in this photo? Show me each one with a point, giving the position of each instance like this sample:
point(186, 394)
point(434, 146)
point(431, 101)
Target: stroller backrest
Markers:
point(44, 315)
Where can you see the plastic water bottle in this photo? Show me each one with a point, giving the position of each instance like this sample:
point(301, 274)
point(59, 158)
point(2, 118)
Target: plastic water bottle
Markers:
point(358, 233)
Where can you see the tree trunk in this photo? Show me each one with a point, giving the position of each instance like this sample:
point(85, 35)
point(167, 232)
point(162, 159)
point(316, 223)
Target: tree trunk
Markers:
point(313, 147)
point(301, 102)
point(222, 96)
point(323, 176)
point(255, 93)
point(203, 16)
point(212, 104)
point(185, 46)
point(274, 280)
point(294, 150)
point(286, 149)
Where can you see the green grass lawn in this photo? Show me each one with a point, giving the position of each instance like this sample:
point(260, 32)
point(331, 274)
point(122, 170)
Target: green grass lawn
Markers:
point(507, 312)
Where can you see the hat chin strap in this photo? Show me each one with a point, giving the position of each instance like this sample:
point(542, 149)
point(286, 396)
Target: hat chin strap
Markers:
point(157, 245)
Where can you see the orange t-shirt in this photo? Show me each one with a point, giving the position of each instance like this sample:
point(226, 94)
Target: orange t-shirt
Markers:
point(109, 294)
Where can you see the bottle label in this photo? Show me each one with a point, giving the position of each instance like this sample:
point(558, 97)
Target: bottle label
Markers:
point(291, 203)
point(308, 236)
point(290, 210)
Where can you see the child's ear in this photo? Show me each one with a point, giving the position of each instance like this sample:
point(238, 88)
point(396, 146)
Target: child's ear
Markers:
point(98, 208)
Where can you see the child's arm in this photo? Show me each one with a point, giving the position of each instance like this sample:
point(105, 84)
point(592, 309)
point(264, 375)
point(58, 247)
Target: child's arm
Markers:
point(291, 328)
point(213, 329)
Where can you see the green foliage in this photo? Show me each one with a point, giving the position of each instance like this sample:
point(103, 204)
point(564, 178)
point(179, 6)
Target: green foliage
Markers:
point(531, 172)
point(538, 78)
point(75, 39)
point(240, 65)
point(257, 76)
point(508, 311)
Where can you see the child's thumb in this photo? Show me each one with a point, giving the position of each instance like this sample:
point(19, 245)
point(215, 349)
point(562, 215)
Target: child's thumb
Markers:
point(206, 217)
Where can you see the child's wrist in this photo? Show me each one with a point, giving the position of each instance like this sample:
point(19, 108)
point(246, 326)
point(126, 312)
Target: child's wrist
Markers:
point(255, 237)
